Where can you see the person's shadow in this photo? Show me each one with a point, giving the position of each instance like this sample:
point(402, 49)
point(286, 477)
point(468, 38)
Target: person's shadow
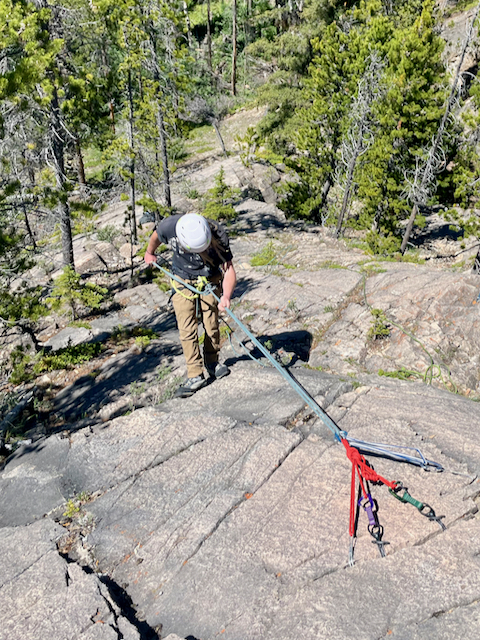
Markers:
point(288, 347)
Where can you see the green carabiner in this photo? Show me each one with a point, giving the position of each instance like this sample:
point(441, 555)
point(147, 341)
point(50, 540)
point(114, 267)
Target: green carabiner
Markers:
point(405, 496)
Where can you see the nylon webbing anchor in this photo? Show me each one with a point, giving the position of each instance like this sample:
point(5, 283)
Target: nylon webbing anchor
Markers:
point(374, 528)
point(401, 493)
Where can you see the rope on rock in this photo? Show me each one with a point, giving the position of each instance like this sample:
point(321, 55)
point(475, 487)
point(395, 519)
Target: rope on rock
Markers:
point(354, 448)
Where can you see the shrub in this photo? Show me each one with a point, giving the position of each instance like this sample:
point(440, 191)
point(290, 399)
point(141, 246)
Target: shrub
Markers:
point(219, 199)
point(27, 368)
point(69, 291)
point(379, 328)
point(108, 233)
point(267, 255)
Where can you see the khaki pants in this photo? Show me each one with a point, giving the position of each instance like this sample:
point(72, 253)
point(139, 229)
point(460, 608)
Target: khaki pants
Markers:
point(185, 311)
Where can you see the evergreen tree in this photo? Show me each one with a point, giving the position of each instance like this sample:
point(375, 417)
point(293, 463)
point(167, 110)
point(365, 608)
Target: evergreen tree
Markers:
point(408, 118)
point(340, 61)
point(400, 123)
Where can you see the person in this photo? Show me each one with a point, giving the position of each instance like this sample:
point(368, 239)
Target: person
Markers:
point(200, 248)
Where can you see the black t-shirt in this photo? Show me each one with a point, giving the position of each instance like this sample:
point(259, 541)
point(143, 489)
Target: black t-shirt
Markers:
point(191, 265)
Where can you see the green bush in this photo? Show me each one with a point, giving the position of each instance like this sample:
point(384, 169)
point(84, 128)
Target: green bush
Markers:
point(27, 367)
point(380, 245)
point(69, 291)
point(218, 199)
point(108, 233)
point(379, 328)
point(122, 334)
point(267, 255)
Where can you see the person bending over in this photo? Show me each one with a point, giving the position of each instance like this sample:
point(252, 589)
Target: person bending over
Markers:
point(200, 248)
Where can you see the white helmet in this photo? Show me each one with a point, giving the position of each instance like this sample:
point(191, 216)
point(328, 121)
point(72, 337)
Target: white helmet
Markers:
point(193, 232)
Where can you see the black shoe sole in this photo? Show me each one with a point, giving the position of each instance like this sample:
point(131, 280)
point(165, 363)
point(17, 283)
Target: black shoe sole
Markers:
point(181, 392)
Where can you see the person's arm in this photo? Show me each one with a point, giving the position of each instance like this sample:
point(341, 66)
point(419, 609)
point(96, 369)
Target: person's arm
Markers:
point(153, 245)
point(229, 282)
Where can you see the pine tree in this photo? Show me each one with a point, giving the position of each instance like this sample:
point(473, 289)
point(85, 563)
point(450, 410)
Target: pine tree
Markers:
point(408, 117)
point(424, 179)
point(340, 60)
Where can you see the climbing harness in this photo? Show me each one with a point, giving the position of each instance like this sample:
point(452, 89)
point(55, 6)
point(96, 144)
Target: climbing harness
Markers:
point(200, 286)
point(361, 469)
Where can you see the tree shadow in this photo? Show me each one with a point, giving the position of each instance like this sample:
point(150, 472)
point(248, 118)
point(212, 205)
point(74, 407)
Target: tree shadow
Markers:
point(441, 231)
point(252, 221)
point(89, 394)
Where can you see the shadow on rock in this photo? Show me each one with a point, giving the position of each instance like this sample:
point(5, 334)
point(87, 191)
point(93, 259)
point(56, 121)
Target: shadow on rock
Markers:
point(124, 602)
point(288, 347)
point(91, 392)
point(244, 285)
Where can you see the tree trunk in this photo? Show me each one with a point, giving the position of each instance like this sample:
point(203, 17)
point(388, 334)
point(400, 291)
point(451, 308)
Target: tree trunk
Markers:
point(57, 134)
point(377, 218)
point(164, 155)
point(80, 165)
point(112, 116)
point(325, 190)
point(209, 36)
point(234, 49)
point(29, 228)
point(187, 23)
point(133, 221)
point(58, 147)
point(248, 26)
point(214, 122)
point(346, 195)
point(408, 228)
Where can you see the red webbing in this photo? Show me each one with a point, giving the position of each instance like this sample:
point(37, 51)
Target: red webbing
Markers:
point(360, 467)
point(364, 471)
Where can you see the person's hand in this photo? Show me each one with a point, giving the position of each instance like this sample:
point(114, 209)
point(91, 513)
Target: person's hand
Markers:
point(224, 303)
point(150, 257)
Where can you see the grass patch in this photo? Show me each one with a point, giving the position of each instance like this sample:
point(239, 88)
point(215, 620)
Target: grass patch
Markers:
point(80, 324)
point(330, 264)
point(399, 374)
point(267, 255)
point(94, 164)
point(461, 5)
point(370, 269)
point(169, 390)
point(26, 367)
point(201, 139)
point(121, 335)
point(379, 328)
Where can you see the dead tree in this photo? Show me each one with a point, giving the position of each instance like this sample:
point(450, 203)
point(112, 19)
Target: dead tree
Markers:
point(360, 135)
point(234, 49)
point(199, 110)
point(209, 36)
point(188, 27)
point(424, 179)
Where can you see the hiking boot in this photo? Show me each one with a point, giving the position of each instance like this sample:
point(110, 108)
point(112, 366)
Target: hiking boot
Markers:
point(189, 387)
point(217, 370)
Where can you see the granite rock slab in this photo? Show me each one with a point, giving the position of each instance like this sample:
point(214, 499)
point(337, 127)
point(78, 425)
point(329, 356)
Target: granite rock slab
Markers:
point(31, 482)
point(43, 596)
